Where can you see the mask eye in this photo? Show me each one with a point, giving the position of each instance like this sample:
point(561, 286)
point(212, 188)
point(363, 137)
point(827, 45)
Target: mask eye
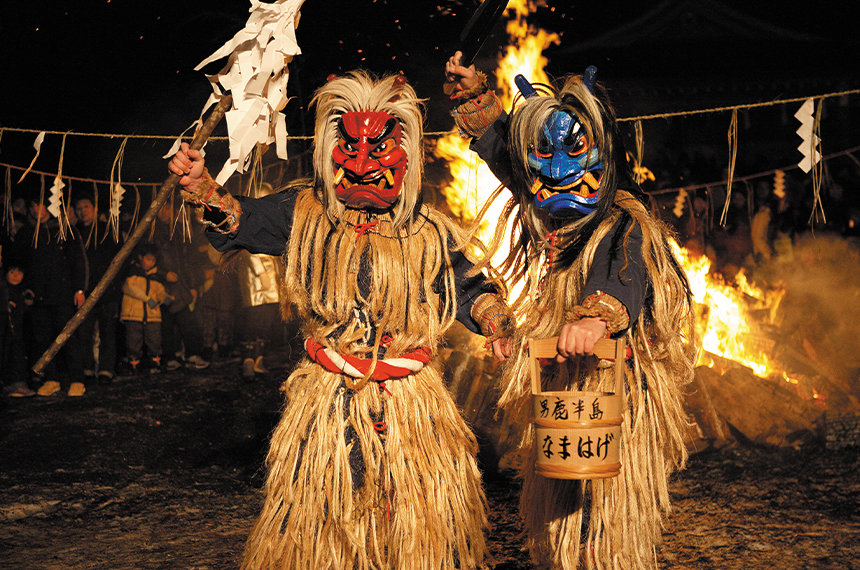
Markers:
point(543, 149)
point(384, 147)
point(347, 141)
point(578, 146)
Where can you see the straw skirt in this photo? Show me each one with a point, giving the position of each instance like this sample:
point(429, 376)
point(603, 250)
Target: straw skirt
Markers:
point(384, 477)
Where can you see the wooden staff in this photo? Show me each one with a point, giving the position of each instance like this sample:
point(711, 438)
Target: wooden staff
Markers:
point(197, 143)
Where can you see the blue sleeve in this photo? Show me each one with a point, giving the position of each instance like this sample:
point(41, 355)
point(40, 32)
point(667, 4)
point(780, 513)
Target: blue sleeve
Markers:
point(492, 147)
point(630, 284)
point(264, 226)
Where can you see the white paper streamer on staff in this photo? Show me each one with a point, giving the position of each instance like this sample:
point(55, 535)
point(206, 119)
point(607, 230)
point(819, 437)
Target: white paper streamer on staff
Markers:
point(809, 145)
point(256, 75)
point(680, 200)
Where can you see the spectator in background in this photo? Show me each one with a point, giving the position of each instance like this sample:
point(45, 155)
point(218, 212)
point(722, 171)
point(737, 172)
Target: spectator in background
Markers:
point(259, 299)
point(13, 362)
point(54, 271)
point(100, 249)
point(181, 263)
point(215, 305)
point(143, 293)
point(259, 315)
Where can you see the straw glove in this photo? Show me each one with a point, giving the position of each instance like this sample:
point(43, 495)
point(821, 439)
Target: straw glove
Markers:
point(477, 106)
point(218, 208)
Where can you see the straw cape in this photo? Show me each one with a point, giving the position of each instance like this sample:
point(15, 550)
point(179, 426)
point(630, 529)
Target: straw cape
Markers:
point(380, 477)
point(622, 516)
point(371, 464)
point(582, 265)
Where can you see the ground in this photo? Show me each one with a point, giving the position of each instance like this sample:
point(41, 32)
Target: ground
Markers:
point(164, 471)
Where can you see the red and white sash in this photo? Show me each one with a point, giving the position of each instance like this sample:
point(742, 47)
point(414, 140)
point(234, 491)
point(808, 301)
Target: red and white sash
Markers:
point(386, 369)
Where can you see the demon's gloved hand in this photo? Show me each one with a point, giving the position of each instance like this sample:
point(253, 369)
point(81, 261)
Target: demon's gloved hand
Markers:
point(476, 106)
point(217, 208)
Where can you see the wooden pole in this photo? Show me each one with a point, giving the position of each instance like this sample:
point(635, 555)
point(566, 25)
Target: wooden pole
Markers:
point(197, 143)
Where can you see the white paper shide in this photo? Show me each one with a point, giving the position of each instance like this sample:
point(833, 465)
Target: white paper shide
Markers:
point(256, 74)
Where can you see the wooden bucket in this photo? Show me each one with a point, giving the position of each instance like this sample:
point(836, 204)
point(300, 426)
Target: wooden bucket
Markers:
point(577, 434)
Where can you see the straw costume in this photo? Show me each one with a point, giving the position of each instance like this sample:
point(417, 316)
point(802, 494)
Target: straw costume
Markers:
point(371, 465)
point(586, 246)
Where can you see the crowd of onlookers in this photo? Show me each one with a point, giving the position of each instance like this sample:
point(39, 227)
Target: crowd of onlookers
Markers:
point(170, 306)
point(174, 305)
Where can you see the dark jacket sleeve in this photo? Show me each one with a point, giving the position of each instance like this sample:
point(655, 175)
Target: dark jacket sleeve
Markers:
point(83, 274)
point(492, 147)
point(608, 272)
point(264, 226)
point(468, 289)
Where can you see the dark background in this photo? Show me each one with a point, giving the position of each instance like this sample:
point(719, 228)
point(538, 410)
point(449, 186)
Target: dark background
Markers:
point(126, 66)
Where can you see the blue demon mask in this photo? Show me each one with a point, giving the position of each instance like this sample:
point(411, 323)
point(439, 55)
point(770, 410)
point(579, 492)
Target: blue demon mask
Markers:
point(566, 167)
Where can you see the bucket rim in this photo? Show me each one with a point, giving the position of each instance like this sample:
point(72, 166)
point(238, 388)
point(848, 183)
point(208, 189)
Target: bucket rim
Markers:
point(588, 392)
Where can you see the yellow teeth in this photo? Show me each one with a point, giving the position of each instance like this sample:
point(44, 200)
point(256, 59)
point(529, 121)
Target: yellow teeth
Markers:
point(592, 182)
point(386, 176)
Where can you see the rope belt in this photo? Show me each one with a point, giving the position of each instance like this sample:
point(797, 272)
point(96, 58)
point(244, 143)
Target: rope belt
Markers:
point(387, 369)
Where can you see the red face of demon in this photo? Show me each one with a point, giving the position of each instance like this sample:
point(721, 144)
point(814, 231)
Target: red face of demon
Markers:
point(369, 159)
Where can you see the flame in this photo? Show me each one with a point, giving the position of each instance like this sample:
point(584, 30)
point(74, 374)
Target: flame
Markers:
point(524, 55)
point(725, 321)
point(472, 182)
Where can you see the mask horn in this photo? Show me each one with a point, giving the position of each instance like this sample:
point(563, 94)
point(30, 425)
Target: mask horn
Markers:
point(589, 77)
point(525, 87)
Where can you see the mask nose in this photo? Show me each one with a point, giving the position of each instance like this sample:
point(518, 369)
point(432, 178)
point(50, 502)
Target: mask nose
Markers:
point(559, 166)
point(363, 163)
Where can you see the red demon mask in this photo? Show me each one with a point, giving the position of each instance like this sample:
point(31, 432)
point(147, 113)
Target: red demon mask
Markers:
point(369, 160)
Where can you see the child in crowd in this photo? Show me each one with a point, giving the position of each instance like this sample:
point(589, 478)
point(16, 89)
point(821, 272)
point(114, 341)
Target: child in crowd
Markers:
point(143, 293)
point(13, 362)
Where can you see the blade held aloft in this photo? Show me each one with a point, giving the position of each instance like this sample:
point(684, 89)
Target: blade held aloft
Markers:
point(479, 27)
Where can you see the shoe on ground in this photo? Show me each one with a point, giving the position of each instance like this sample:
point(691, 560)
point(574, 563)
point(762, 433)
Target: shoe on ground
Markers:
point(195, 362)
point(77, 389)
point(20, 390)
point(171, 365)
point(49, 388)
point(105, 377)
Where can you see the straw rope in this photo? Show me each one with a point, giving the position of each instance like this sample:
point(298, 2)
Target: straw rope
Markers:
point(651, 117)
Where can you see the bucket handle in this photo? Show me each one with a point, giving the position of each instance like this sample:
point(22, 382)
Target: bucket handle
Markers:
point(605, 348)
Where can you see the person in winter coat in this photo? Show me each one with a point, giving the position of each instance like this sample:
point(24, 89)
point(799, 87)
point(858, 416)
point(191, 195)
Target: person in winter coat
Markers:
point(52, 257)
point(182, 265)
point(101, 248)
point(14, 301)
point(143, 294)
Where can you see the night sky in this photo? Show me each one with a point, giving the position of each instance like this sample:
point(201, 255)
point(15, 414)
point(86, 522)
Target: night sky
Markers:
point(126, 66)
